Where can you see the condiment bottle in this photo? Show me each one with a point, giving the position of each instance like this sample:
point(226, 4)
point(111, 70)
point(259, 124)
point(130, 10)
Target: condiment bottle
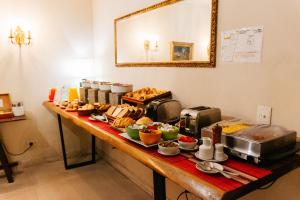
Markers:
point(217, 134)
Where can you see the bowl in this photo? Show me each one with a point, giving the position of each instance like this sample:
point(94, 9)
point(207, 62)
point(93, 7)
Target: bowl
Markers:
point(105, 86)
point(133, 131)
point(121, 88)
point(188, 145)
point(169, 148)
point(149, 137)
point(85, 112)
point(170, 134)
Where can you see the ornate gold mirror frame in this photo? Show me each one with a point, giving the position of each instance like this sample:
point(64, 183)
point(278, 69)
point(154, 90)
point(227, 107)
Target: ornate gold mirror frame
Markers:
point(212, 47)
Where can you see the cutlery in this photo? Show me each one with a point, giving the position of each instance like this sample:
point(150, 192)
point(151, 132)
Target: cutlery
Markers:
point(227, 174)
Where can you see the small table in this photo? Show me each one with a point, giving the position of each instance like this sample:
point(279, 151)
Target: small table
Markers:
point(6, 166)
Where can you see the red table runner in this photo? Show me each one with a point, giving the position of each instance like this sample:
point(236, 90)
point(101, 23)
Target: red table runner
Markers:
point(183, 163)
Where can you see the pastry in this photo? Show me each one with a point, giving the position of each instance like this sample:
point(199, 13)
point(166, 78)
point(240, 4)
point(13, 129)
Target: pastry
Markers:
point(145, 93)
point(123, 122)
point(144, 121)
point(125, 110)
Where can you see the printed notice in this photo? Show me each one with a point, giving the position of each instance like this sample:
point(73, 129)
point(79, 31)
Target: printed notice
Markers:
point(242, 45)
point(1, 103)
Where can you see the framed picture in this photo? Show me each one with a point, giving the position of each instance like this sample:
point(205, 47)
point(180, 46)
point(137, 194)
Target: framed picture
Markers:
point(5, 107)
point(181, 51)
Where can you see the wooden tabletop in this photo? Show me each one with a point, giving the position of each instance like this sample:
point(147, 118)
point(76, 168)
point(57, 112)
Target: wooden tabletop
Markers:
point(183, 178)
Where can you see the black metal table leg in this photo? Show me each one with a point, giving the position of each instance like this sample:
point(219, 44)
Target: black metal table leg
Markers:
point(5, 165)
point(81, 164)
point(159, 185)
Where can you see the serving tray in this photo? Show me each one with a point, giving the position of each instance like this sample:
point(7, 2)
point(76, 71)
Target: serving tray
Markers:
point(125, 135)
point(144, 102)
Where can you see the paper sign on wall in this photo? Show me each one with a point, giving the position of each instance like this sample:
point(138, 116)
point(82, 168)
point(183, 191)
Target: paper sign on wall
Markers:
point(1, 103)
point(242, 45)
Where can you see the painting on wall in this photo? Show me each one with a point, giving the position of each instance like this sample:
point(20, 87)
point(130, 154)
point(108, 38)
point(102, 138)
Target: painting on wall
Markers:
point(181, 51)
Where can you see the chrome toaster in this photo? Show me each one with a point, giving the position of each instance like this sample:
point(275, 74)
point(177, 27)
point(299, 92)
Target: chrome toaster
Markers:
point(164, 110)
point(193, 119)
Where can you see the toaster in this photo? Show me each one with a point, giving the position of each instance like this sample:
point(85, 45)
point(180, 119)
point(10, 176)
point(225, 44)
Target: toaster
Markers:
point(164, 110)
point(193, 119)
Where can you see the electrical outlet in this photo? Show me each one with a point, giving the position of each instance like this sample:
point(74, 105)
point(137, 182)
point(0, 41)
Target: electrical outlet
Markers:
point(264, 114)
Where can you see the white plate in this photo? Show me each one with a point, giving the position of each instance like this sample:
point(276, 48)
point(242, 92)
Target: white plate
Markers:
point(184, 149)
point(205, 171)
point(98, 118)
point(166, 154)
point(125, 135)
point(211, 160)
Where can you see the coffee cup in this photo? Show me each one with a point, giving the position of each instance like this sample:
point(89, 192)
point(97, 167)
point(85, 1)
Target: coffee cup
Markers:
point(206, 149)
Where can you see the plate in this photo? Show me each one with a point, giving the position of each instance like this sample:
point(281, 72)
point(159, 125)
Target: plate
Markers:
point(211, 160)
point(125, 135)
point(166, 154)
point(98, 118)
point(198, 166)
point(194, 149)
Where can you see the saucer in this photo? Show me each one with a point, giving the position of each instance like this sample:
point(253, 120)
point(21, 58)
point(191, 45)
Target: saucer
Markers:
point(212, 160)
point(193, 149)
point(166, 154)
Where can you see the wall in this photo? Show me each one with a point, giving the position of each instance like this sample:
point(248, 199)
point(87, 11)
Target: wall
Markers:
point(62, 43)
point(236, 88)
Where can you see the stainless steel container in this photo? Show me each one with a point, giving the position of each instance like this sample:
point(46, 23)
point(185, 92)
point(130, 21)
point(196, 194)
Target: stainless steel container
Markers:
point(259, 141)
point(115, 98)
point(103, 97)
point(83, 94)
point(93, 95)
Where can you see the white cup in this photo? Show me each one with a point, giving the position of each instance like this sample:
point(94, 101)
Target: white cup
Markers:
point(206, 150)
point(219, 152)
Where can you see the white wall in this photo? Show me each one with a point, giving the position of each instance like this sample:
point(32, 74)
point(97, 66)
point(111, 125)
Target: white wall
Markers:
point(61, 52)
point(236, 88)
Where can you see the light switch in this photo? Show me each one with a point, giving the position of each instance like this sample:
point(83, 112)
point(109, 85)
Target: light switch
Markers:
point(264, 114)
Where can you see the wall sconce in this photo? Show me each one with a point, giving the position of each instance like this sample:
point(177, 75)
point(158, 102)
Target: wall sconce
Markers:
point(150, 45)
point(19, 38)
point(146, 45)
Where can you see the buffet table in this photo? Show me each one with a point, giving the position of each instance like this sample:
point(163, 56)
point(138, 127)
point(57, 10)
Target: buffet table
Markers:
point(180, 169)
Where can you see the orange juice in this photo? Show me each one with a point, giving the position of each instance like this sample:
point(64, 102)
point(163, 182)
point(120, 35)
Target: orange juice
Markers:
point(73, 94)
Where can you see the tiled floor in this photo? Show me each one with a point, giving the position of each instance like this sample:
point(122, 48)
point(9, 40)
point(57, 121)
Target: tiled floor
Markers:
point(52, 182)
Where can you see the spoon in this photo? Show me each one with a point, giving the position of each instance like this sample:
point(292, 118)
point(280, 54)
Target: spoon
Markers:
point(212, 167)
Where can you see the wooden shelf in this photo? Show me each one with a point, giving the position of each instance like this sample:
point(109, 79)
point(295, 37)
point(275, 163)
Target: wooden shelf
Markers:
point(13, 119)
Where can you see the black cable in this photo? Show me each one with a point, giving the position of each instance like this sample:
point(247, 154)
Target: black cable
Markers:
point(267, 186)
point(17, 154)
point(182, 193)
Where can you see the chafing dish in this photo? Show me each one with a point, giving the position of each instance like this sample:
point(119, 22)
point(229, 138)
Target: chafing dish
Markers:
point(259, 142)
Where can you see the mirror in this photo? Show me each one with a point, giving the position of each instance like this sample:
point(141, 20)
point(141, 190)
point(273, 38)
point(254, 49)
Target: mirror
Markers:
point(179, 33)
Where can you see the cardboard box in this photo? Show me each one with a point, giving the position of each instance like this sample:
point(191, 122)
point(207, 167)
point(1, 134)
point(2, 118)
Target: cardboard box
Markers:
point(5, 107)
